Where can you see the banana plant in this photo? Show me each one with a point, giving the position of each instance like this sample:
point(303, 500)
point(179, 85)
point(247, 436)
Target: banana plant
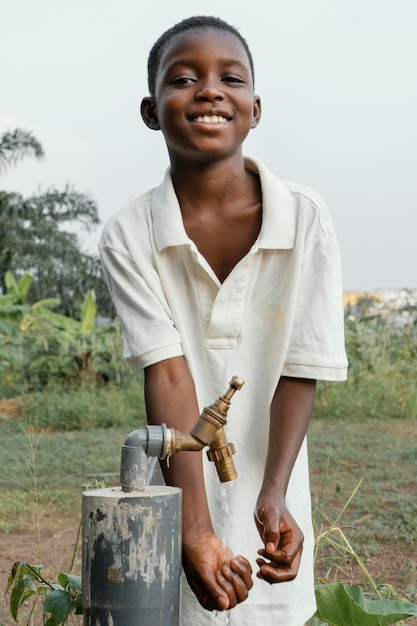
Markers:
point(13, 303)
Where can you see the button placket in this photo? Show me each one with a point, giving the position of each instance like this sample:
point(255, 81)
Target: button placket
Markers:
point(227, 311)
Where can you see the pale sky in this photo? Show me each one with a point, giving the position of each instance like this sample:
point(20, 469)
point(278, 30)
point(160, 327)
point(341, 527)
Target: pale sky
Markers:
point(338, 83)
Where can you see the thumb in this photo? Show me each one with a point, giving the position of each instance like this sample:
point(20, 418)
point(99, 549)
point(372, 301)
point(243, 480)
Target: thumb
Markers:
point(268, 523)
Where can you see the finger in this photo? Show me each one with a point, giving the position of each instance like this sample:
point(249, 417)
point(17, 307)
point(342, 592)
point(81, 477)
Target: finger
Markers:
point(241, 566)
point(277, 557)
point(292, 543)
point(240, 587)
point(233, 585)
point(268, 525)
point(210, 594)
point(272, 573)
point(283, 557)
point(272, 536)
point(289, 546)
point(225, 579)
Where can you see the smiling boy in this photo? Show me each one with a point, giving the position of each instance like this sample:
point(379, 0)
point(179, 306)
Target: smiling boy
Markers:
point(221, 270)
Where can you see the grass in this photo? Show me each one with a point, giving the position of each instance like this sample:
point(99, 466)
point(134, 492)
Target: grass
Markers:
point(381, 519)
point(43, 472)
point(383, 453)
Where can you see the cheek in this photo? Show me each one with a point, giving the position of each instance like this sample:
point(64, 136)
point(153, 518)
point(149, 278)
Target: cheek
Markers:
point(169, 111)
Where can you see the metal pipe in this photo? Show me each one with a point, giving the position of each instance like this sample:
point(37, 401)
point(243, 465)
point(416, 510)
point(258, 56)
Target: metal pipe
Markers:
point(138, 446)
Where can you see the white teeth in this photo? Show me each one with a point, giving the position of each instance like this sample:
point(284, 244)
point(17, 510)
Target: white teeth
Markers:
point(210, 119)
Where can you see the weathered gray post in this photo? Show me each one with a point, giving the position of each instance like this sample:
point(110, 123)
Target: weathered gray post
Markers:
point(132, 546)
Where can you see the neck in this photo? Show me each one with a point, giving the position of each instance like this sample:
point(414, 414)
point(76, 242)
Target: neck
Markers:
point(202, 185)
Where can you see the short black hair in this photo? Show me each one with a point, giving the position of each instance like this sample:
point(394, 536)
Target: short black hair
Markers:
point(198, 22)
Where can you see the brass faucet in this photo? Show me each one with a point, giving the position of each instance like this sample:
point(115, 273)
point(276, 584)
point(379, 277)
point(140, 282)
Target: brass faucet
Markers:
point(209, 431)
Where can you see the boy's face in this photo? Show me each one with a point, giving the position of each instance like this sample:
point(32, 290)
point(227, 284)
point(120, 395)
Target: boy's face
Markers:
point(204, 102)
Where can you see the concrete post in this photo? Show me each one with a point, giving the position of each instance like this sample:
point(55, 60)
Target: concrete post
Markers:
point(131, 557)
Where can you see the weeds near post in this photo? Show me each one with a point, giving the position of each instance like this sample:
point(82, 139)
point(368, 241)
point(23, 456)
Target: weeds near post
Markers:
point(60, 599)
point(28, 585)
point(340, 604)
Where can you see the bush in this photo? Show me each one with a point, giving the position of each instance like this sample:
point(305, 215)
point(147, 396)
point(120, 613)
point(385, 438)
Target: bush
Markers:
point(85, 408)
point(382, 371)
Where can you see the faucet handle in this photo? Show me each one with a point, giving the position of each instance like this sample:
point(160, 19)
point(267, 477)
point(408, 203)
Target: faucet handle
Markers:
point(235, 384)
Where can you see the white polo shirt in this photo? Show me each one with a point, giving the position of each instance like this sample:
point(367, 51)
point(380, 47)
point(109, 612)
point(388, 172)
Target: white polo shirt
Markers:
point(280, 311)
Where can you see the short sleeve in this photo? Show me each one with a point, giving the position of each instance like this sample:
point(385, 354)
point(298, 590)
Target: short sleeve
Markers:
point(317, 344)
point(148, 329)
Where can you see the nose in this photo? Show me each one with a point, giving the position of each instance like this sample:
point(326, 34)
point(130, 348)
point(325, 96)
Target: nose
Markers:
point(209, 91)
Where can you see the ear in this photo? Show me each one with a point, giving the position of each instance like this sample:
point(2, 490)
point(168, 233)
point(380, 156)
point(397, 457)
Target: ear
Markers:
point(256, 111)
point(148, 112)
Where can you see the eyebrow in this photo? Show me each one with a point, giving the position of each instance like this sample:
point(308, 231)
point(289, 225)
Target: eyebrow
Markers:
point(225, 63)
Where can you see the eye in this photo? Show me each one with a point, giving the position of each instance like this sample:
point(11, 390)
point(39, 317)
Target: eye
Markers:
point(183, 80)
point(233, 79)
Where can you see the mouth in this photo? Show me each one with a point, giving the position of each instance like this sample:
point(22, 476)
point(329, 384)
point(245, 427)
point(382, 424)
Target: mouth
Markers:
point(210, 119)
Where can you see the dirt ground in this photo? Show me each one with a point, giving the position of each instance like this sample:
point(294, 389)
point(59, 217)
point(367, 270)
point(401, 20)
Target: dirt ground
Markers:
point(55, 547)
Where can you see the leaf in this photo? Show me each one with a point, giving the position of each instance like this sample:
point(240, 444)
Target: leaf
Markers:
point(70, 580)
point(56, 319)
point(11, 283)
point(346, 605)
point(22, 579)
point(7, 299)
point(48, 303)
point(15, 145)
point(24, 284)
point(58, 603)
point(73, 584)
point(18, 596)
point(88, 313)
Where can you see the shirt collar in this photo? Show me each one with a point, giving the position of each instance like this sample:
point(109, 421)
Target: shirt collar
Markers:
point(278, 217)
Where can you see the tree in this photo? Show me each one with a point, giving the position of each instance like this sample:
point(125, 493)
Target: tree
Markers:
point(15, 145)
point(34, 237)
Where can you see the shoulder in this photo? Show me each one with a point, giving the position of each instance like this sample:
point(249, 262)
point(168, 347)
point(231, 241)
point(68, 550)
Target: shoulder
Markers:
point(128, 216)
point(308, 200)
point(293, 200)
point(302, 192)
point(129, 228)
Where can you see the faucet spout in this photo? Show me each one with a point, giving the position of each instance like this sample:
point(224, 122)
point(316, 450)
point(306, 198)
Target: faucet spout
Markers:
point(220, 452)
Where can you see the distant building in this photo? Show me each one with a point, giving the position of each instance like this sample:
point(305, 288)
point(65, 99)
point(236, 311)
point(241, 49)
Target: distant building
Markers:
point(353, 297)
point(397, 307)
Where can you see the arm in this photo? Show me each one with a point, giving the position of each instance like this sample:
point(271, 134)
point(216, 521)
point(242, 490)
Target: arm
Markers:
point(218, 579)
point(291, 409)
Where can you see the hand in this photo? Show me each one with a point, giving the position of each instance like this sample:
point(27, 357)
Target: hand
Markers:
point(218, 579)
point(283, 540)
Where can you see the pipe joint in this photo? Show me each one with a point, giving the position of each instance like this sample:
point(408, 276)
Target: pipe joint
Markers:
point(138, 446)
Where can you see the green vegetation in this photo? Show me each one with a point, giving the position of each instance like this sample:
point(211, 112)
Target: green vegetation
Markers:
point(36, 235)
point(382, 374)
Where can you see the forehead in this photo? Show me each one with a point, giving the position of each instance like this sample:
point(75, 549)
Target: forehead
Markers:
point(209, 43)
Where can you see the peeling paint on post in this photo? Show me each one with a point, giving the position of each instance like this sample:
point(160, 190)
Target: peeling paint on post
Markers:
point(131, 557)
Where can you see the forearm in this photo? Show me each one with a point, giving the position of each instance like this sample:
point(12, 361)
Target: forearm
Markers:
point(218, 579)
point(290, 415)
point(171, 398)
